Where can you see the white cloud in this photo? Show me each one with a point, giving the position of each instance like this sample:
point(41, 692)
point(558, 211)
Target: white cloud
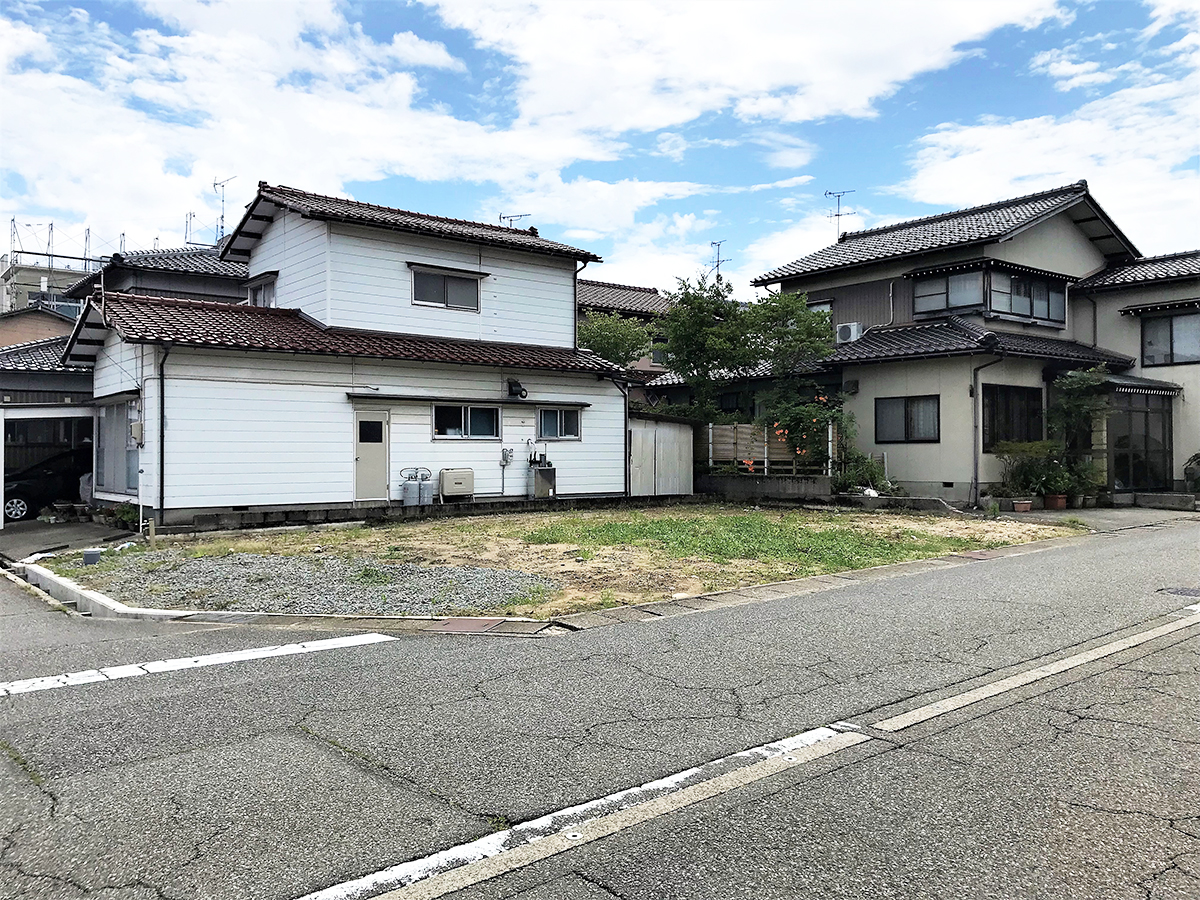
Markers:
point(654, 253)
point(1136, 147)
point(778, 248)
point(613, 68)
point(1061, 65)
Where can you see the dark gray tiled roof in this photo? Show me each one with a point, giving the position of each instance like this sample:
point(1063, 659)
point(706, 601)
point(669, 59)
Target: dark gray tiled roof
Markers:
point(762, 370)
point(601, 295)
point(956, 337)
point(1146, 270)
point(975, 225)
point(339, 209)
point(36, 356)
point(204, 261)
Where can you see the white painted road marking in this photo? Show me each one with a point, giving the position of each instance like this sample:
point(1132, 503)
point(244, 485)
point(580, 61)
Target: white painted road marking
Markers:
point(459, 867)
point(958, 701)
point(112, 673)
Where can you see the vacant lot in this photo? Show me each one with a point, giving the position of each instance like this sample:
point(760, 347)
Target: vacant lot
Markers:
point(537, 565)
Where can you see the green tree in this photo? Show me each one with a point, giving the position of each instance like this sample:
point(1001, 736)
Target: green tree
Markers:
point(614, 337)
point(713, 339)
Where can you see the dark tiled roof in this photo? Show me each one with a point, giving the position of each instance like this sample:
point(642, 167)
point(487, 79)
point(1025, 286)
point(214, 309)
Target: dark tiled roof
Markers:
point(36, 356)
point(203, 261)
point(978, 224)
point(762, 370)
point(194, 323)
point(601, 295)
point(35, 306)
point(956, 337)
point(338, 209)
point(1147, 270)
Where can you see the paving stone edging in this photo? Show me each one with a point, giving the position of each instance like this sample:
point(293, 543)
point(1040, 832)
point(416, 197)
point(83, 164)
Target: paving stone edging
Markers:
point(75, 596)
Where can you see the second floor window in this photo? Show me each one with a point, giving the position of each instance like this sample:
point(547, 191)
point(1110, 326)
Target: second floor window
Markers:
point(1023, 295)
point(450, 291)
point(948, 291)
point(1170, 340)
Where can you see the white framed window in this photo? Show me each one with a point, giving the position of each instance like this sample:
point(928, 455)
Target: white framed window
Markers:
point(117, 450)
point(466, 422)
point(260, 291)
point(825, 306)
point(558, 424)
point(449, 288)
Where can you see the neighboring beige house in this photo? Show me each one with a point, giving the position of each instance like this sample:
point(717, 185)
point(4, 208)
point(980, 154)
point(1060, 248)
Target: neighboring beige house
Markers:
point(951, 327)
point(24, 281)
point(33, 323)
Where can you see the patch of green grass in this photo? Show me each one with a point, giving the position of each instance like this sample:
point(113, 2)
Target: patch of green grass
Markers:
point(755, 535)
point(1073, 522)
point(372, 576)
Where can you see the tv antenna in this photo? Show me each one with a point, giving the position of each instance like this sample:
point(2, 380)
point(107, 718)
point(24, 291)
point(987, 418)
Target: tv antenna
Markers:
point(837, 216)
point(716, 245)
point(219, 188)
point(508, 220)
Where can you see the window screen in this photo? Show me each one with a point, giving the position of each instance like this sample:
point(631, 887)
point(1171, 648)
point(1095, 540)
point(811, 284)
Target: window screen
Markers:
point(1185, 338)
point(907, 419)
point(370, 432)
point(484, 421)
point(548, 423)
point(448, 421)
point(1001, 292)
point(446, 290)
point(966, 289)
point(929, 294)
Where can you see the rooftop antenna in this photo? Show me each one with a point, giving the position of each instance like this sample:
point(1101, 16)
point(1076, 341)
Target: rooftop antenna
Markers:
point(122, 250)
point(716, 245)
point(219, 188)
point(837, 216)
point(508, 220)
point(187, 227)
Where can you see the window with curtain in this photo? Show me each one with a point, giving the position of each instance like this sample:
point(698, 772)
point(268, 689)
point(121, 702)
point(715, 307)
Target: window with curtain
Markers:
point(908, 420)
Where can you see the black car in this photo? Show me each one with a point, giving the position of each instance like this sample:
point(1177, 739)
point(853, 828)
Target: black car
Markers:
point(54, 478)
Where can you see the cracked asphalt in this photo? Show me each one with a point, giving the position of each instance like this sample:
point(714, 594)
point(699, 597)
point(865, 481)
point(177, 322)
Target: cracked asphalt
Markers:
point(277, 777)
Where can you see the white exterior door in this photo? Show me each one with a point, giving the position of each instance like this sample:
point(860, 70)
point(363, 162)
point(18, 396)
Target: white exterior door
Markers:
point(370, 456)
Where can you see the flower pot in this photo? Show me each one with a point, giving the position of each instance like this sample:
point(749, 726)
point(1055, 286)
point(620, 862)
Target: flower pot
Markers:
point(1056, 501)
point(1089, 502)
point(1075, 501)
point(1022, 505)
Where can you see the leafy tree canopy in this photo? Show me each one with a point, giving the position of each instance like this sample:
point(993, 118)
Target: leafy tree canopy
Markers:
point(614, 337)
point(712, 338)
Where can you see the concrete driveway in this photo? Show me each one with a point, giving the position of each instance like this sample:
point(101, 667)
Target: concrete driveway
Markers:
point(21, 539)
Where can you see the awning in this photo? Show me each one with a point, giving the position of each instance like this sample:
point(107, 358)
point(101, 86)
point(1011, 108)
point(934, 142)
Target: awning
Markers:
point(1138, 309)
point(1133, 384)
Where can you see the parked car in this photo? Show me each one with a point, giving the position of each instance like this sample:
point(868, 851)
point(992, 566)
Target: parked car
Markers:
point(55, 478)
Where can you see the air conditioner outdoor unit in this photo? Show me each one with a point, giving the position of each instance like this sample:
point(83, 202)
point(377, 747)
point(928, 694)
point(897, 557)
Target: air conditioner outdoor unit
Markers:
point(849, 331)
point(456, 483)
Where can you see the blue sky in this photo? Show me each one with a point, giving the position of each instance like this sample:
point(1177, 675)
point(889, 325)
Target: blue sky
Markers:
point(641, 131)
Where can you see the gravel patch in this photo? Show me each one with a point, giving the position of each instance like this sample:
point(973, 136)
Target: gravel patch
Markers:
point(311, 584)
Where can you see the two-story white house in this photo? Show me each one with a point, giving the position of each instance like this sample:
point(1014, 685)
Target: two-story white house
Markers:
point(371, 341)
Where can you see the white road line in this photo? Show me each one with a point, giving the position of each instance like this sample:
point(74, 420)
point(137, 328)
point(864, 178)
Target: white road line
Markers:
point(958, 701)
point(112, 673)
point(459, 867)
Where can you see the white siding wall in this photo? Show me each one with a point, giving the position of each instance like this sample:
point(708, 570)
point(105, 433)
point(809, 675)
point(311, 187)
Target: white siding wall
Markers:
point(263, 430)
point(527, 298)
point(118, 367)
point(297, 248)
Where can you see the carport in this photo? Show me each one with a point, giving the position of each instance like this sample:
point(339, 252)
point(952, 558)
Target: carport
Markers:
point(45, 407)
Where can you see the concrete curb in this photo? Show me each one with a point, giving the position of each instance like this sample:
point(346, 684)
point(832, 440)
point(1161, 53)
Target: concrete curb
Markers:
point(72, 595)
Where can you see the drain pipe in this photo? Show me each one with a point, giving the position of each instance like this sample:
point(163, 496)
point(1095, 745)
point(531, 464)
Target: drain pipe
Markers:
point(162, 433)
point(891, 309)
point(976, 442)
point(575, 286)
point(624, 389)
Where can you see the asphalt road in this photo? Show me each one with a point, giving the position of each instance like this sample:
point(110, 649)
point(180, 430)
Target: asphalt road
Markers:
point(277, 777)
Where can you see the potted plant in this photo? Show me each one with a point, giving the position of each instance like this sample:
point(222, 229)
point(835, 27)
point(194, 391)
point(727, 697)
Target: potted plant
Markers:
point(1055, 486)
